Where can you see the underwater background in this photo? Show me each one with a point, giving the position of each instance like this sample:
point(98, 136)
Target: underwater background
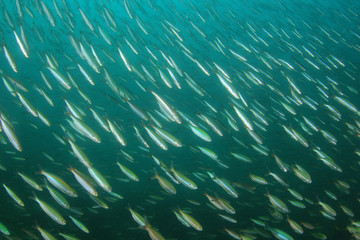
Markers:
point(252, 103)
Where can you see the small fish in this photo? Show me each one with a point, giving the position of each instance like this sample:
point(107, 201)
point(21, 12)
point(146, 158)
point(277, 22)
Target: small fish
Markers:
point(83, 181)
point(51, 212)
point(99, 179)
point(45, 234)
point(30, 181)
point(183, 179)
point(128, 172)
point(4, 229)
point(165, 184)
point(190, 220)
point(13, 195)
point(11, 134)
point(59, 183)
point(137, 217)
point(277, 203)
point(79, 224)
point(57, 197)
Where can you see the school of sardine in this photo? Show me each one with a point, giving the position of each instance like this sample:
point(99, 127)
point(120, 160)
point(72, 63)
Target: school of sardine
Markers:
point(181, 119)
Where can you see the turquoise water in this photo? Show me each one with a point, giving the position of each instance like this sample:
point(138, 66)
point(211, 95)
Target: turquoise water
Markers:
point(264, 79)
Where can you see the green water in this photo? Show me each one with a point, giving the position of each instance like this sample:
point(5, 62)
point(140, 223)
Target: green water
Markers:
point(282, 63)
